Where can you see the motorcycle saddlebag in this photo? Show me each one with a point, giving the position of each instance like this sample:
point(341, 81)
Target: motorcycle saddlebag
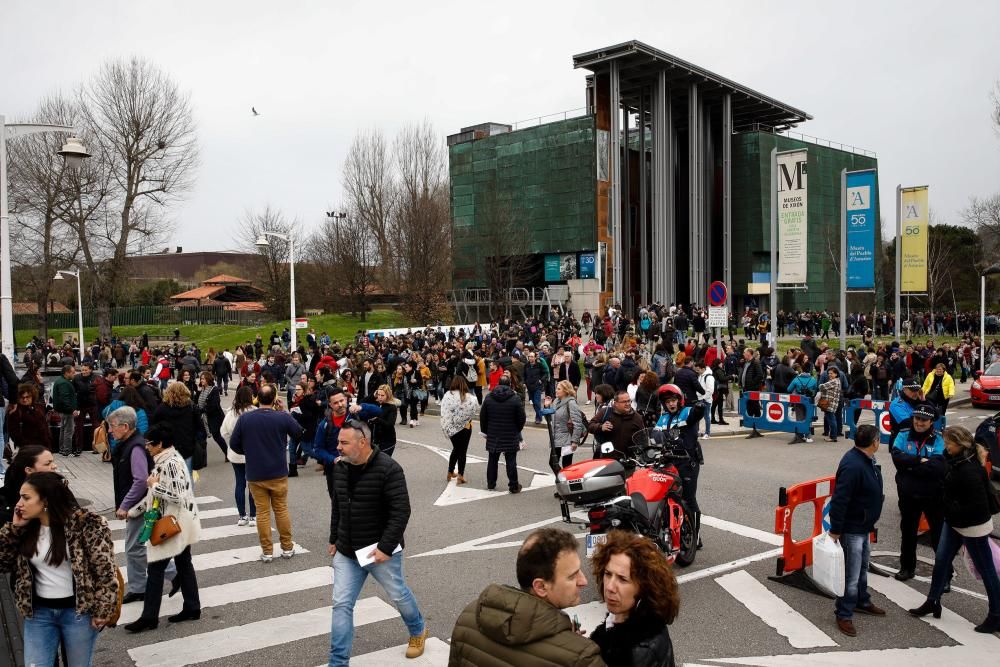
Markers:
point(591, 481)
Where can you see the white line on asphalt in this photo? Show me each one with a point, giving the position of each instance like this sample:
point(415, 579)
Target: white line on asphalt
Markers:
point(726, 567)
point(893, 657)
point(477, 544)
point(228, 641)
point(206, 500)
point(214, 533)
point(228, 557)
point(446, 455)
point(435, 655)
point(740, 529)
point(119, 524)
point(774, 611)
point(926, 580)
point(241, 591)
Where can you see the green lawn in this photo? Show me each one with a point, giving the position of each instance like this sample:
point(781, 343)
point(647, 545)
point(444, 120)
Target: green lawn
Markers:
point(219, 336)
point(788, 342)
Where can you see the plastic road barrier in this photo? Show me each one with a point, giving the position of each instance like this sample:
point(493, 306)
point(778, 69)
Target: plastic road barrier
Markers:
point(790, 413)
point(881, 411)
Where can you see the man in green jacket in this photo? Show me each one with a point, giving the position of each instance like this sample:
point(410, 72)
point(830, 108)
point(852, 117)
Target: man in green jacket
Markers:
point(64, 402)
point(526, 627)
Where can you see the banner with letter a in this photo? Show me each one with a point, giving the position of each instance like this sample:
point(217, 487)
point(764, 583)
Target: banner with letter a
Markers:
point(861, 229)
point(913, 240)
point(793, 258)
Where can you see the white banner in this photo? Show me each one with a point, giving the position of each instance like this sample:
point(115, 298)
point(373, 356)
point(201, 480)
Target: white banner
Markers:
point(793, 258)
point(718, 316)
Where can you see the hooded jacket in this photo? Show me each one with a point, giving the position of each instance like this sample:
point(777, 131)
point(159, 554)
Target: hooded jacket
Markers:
point(501, 418)
point(506, 627)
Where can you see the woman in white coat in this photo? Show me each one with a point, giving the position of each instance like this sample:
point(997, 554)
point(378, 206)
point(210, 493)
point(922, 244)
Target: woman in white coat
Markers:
point(458, 408)
point(707, 381)
point(170, 486)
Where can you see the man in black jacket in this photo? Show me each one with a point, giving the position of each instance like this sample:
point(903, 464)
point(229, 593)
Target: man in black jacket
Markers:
point(501, 419)
point(369, 512)
point(687, 380)
point(751, 379)
point(536, 379)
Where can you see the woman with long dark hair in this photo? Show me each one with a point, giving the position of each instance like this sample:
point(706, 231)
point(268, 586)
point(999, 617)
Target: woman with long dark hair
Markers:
point(209, 401)
point(28, 460)
point(26, 422)
point(63, 566)
point(458, 408)
point(640, 591)
point(242, 402)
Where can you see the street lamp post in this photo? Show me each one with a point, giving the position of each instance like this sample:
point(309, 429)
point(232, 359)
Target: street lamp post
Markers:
point(990, 271)
point(262, 242)
point(79, 303)
point(74, 153)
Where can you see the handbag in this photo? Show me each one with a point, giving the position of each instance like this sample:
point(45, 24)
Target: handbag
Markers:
point(823, 404)
point(164, 528)
point(117, 613)
point(199, 459)
point(420, 394)
point(100, 443)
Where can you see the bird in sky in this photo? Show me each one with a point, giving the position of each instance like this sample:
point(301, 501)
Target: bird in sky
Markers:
point(254, 110)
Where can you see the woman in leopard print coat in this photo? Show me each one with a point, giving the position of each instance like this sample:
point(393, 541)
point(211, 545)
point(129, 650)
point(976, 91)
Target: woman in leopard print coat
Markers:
point(65, 597)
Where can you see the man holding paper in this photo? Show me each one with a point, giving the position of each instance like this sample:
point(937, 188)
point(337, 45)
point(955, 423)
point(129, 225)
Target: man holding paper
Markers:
point(369, 512)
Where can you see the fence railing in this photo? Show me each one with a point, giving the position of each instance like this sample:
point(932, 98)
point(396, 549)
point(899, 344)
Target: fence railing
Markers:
point(539, 120)
point(144, 316)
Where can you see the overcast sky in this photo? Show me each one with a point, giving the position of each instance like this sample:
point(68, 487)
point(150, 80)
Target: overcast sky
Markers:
point(909, 80)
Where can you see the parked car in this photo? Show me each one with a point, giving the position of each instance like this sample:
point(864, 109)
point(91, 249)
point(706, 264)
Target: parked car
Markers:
point(988, 435)
point(985, 390)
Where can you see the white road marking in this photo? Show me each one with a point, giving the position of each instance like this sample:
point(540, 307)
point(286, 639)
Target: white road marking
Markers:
point(214, 533)
point(893, 657)
point(206, 500)
point(745, 531)
point(446, 455)
point(479, 543)
point(228, 557)
point(454, 494)
point(774, 611)
point(234, 640)
point(241, 591)
point(119, 524)
point(435, 655)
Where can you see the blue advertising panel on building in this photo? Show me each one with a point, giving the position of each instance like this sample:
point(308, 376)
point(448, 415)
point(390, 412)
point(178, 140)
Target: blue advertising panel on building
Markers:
point(551, 268)
point(861, 229)
point(588, 265)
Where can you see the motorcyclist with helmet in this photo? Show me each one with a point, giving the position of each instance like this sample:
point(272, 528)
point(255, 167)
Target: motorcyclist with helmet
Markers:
point(679, 426)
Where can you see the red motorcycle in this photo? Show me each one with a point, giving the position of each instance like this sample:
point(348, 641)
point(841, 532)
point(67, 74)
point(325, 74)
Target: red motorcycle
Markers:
point(641, 494)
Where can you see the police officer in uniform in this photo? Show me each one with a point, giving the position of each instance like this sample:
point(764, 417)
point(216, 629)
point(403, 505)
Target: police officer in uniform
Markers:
point(679, 424)
point(902, 407)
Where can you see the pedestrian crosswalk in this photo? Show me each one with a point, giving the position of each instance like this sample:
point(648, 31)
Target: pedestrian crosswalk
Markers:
point(244, 583)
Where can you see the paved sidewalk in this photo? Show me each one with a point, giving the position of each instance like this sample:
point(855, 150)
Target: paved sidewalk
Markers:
point(90, 480)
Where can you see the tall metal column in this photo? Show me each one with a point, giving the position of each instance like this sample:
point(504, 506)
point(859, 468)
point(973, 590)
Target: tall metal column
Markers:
point(615, 216)
point(696, 265)
point(772, 307)
point(899, 261)
point(664, 261)
point(670, 200)
point(727, 190)
point(643, 197)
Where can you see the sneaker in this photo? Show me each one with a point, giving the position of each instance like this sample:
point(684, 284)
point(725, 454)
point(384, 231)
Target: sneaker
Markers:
point(243, 521)
point(253, 522)
point(589, 402)
point(266, 558)
point(808, 439)
point(288, 554)
point(415, 648)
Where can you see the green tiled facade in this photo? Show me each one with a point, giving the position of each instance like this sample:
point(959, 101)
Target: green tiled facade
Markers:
point(547, 173)
point(751, 209)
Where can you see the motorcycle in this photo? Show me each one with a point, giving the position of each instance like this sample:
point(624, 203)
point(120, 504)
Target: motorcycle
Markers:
point(648, 501)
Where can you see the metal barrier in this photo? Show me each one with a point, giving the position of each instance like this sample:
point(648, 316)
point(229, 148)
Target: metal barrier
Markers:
point(881, 411)
point(790, 413)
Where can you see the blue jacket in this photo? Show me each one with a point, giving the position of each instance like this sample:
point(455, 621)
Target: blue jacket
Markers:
point(803, 384)
point(900, 412)
point(857, 499)
point(325, 442)
point(262, 436)
point(916, 478)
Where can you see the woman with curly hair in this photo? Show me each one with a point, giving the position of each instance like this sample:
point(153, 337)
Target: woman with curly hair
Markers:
point(636, 583)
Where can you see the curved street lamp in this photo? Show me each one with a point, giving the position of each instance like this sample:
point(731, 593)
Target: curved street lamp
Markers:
point(262, 242)
point(73, 152)
point(989, 271)
point(79, 302)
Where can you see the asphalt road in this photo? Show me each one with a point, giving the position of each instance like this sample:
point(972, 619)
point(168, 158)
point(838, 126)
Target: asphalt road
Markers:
point(460, 540)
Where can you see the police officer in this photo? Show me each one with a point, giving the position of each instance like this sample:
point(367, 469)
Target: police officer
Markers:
point(680, 427)
point(918, 454)
point(902, 407)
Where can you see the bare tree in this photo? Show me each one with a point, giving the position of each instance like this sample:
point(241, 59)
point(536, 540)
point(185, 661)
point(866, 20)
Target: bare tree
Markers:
point(347, 256)
point(39, 193)
point(273, 276)
point(141, 130)
point(995, 109)
point(505, 247)
point(983, 215)
point(422, 224)
point(370, 188)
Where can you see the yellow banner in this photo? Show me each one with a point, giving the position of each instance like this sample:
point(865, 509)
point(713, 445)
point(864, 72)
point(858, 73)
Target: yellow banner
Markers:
point(913, 240)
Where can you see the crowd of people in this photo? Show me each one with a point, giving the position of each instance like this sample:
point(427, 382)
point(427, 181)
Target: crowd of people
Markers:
point(339, 404)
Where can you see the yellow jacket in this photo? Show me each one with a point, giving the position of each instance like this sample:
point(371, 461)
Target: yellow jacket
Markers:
point(947, 384)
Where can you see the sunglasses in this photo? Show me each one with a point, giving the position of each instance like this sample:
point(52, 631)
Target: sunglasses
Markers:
point(358, 425)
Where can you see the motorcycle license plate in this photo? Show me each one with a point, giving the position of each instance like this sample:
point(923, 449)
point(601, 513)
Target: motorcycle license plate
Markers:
point(593, 541)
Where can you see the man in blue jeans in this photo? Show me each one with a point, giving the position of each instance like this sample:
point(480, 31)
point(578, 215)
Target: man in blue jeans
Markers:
point(370, 507)
point(854, 509)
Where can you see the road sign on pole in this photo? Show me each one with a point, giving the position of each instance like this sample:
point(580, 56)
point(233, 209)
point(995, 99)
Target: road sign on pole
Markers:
point(718, 293)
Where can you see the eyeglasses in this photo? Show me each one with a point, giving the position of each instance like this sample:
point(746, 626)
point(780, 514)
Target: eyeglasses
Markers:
point(358, 425)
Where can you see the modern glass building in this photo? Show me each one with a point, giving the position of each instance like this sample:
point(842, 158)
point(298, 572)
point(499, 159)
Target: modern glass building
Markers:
point(660, 187)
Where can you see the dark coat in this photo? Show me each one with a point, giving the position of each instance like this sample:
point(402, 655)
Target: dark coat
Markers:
point(641, 641)
point(369, 504)
point(28, 426)
point(501, 418)
point(966, 487)
point(857, 499)
point(535, 377)
point(782, 376)
point(623, 427)
point(687, 380)
point(186, 426)
point(751, 376)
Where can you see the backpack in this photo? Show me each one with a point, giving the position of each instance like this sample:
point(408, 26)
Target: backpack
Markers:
point(471, 375)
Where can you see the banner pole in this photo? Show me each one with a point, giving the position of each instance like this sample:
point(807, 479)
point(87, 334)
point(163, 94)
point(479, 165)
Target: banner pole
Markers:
point(899, 259)
point(843, 258)
point(773, 306)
